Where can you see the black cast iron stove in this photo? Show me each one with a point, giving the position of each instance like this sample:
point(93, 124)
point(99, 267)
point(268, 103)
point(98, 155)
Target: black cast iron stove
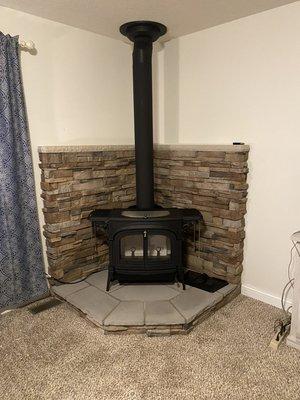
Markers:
point(146, 241)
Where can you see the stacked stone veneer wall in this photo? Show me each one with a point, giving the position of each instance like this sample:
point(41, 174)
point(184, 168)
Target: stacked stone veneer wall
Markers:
point(212, 180)
point(76, 180)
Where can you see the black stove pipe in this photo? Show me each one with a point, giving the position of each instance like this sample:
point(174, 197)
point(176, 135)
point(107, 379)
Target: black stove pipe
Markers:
point(143, 34)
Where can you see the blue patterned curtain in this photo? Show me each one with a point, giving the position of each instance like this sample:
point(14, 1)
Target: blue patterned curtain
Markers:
point(22, 277)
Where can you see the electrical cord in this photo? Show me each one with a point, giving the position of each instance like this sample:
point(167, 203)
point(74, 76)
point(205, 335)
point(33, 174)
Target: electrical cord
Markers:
point(70, 282)
point(291, 260)
point(282, 325)
point(296, 247)
point(285, 290)
point(290, 283)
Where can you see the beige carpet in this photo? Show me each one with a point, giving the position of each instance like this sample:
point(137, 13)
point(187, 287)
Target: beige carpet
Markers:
point(59, 355)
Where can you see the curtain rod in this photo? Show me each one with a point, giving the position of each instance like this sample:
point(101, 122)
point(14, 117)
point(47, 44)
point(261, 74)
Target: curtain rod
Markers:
point(26, 45)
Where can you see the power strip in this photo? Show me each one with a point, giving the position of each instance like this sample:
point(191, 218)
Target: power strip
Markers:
point(282, 329)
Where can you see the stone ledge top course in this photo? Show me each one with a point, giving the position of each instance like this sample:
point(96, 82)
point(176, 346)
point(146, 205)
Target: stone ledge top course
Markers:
point(171, 147)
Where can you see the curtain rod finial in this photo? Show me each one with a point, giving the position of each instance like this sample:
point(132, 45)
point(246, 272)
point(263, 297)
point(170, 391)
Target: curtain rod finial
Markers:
point(27, 45)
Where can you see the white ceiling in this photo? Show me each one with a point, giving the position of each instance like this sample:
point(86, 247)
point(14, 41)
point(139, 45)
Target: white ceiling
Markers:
point(105, 16)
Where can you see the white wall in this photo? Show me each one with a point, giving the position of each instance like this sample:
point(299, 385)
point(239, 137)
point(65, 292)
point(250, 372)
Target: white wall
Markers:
point(241, 82)
point(78, 87)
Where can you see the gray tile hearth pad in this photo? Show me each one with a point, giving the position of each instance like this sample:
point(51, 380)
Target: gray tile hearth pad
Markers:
point(145, 308)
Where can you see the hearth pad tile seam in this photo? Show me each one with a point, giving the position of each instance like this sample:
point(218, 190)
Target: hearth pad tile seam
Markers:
point(122, 287)
point(110, 312)
point(104, 290)
point(178, 290)
point(119, 288)
point(76, 291)
point(112, 295)
point(170, 301)
point(210, 306)
point(119, 299)
point(175, 291)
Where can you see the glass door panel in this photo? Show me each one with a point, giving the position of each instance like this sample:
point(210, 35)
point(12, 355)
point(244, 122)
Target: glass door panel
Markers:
point(132, 248)
point(159, 247)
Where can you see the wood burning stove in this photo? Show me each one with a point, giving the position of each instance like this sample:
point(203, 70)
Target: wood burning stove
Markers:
point(145, 246)
point(145, 242)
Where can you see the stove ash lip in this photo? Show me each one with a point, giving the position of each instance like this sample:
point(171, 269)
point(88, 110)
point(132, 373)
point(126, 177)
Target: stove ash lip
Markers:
point(105, 216)
point(145, 214)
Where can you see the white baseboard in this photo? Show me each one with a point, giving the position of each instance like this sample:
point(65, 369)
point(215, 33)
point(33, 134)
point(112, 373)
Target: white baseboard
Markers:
point(293, 342)
point(257, 294)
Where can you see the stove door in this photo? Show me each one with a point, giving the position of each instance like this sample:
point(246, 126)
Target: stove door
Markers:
point(159, 247)
point(132, 248)
point(143, 249)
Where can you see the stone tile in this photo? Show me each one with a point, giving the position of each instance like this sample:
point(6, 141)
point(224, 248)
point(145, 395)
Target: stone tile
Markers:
point(126, 313)
point(194, 301)
point(99, 280)
point(145, 292)
point(162, 313)
point(227, 289)
point(93, 302)
point(67, 289)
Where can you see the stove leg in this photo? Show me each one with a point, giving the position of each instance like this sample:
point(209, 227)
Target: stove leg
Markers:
point(109, 279)
point(181, 277)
